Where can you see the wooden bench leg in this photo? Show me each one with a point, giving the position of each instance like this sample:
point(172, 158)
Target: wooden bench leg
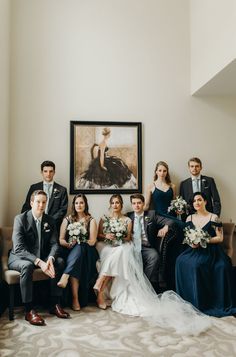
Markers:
point(11, 302)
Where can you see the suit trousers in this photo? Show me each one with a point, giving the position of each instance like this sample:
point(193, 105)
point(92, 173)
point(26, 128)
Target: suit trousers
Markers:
point(26, 269)
point(150, 263)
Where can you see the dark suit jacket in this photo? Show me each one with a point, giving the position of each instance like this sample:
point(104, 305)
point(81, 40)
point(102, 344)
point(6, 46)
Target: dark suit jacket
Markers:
point(58, 202)
point(208, 187)
point(25, 238)
point(152, 224)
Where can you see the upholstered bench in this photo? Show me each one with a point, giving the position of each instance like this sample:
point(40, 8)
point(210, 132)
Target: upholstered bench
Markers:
point(12, 277)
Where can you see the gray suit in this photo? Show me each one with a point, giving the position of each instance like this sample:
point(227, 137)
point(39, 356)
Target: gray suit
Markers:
point(25, 248)
point(154, 255)
point(208, 187)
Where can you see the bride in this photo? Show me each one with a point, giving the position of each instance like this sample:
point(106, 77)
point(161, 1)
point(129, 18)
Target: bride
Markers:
point(130, 291)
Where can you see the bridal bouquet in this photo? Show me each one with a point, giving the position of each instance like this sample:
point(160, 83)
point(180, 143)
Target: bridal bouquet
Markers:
point(179, 205)
point(196, 236)
point(77, 232)
point(114, 226)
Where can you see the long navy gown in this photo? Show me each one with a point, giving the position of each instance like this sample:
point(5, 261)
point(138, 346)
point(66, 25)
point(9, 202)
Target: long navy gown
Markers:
point(81, 264)
point(203, 277)
point(169, 249)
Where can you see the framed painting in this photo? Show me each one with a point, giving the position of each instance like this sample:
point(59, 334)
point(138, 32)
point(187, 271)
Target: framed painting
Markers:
point(105, 157)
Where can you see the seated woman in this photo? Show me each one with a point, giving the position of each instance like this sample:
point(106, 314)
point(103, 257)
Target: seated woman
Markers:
point(78, 237)
point(203, 275)
point(161, 191)
point(130, 290)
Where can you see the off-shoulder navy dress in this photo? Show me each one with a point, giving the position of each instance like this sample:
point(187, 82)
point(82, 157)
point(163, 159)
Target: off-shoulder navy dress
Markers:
point(204, 277)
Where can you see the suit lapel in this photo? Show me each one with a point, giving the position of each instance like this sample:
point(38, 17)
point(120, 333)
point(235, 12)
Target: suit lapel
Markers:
point(31, 223)
point(51, 200)
point(145, 222)
point(190, 187)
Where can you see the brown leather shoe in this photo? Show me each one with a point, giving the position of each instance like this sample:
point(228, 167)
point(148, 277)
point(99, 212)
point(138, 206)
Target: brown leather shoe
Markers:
point(59, 312)
point(34, 318)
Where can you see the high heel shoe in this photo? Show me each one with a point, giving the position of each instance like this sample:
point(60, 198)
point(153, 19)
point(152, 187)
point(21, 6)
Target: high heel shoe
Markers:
point(100, 301)
point(62, 283)
point(75, 307)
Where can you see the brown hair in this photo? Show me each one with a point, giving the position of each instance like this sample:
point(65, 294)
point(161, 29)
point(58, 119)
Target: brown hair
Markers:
point(118, 196)
point(138, 196)
point(195, 159)
point(36, 193)
point(86, 209)
point(162, 163)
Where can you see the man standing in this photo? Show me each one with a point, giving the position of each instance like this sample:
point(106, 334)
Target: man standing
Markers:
point(35, 245)
point(57, 201)
point(152, 235)
point(200, 183)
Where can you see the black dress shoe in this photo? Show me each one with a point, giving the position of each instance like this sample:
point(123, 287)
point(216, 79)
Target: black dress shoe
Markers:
point(59, 312)
point(34, 318)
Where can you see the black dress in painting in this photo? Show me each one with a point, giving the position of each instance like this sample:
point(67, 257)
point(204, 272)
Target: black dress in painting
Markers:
point(117, 173)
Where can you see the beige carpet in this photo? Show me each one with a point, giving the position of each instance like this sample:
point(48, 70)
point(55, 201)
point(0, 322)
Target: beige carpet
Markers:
point(94, 332)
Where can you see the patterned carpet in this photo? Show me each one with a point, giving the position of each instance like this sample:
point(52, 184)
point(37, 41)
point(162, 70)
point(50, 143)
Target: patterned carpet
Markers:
point(94, 332)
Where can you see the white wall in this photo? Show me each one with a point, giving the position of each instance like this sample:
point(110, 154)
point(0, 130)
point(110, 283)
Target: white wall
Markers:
point(4, 106)
point(213, 40)
point(126, 60)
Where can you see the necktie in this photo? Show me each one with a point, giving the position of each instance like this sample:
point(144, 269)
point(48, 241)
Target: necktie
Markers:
point(47, 188)
point(38, 226)
point(196, 187)
point(138, 234)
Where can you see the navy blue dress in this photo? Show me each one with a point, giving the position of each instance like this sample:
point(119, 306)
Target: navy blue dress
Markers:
point(204, 277)
point(170, 248)
point(162, 199)
point(81, 264)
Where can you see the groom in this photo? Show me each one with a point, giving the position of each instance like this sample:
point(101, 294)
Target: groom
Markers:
point(153, 233)
point(35, 245)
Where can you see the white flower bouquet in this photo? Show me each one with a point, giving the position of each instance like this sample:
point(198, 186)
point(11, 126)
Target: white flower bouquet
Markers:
point(196, 236)
point(178, 205)
point(114, 226)
point(77, 232)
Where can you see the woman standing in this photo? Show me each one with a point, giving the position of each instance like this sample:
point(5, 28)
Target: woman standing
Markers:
point(161, 191)
point(203, 274)
point(77, 237)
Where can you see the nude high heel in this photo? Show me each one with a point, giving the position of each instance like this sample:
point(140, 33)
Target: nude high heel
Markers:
point(62, 283)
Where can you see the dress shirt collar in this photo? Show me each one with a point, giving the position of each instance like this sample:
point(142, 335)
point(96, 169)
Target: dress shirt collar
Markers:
point(138, 215)
point(196, 177)
point(37, 219)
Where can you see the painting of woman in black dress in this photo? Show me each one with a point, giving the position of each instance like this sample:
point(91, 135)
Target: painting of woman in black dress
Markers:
point(112, 161)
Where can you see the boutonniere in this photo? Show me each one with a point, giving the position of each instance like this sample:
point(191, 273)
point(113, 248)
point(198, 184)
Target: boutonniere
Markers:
point(147, 219)
point(56, 191)
point(46, 227)
point(204, 182)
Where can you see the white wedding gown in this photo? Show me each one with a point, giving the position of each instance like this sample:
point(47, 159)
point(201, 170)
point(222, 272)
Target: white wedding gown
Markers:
point(132, 294)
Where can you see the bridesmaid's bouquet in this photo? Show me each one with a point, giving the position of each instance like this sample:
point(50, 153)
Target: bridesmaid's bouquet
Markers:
point(196, 236)
point(116, 226)
point(178, 205)
point(77, 232)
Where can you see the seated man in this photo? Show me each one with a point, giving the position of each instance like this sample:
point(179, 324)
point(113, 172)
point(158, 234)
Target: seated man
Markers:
point(57, 202)
point(35, 245)
point(156, 234)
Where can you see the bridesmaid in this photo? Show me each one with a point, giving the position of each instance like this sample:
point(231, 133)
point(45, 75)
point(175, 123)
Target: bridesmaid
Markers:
point(161, 191)
point(80, 258)
point(203, 275)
